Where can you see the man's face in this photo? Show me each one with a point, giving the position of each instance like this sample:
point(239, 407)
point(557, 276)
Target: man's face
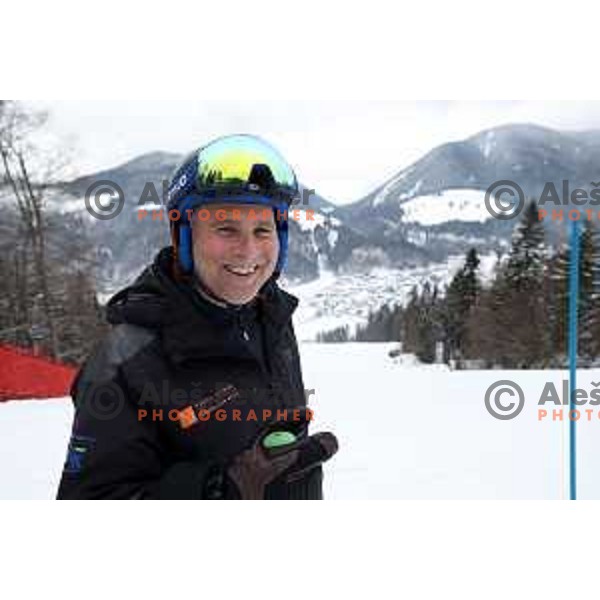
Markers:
point(235, 248)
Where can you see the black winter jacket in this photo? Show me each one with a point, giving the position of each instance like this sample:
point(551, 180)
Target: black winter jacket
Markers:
point(170, 352)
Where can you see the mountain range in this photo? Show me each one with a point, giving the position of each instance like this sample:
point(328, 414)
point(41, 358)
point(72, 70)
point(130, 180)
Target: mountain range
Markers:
point(427, 212)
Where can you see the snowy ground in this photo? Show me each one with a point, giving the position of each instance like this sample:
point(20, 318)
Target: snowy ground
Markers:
point(411, 431)
point(33, 443)
point(405, 431)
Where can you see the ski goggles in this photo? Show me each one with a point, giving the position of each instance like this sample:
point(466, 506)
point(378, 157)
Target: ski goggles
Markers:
point(231, 168)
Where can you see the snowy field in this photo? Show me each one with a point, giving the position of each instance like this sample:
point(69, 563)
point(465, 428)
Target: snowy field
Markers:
point(405, 431)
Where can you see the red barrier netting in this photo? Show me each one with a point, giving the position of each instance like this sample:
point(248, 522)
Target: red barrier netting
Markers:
point(23, 375)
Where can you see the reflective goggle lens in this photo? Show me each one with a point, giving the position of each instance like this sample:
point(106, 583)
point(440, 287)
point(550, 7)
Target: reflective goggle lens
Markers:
point(244, 162)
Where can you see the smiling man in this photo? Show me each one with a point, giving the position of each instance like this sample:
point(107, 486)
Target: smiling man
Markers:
point(235, 250)
point(208, 321)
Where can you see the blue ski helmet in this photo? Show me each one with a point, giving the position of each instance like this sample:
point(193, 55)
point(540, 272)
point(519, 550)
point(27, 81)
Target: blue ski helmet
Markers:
point(236, 169)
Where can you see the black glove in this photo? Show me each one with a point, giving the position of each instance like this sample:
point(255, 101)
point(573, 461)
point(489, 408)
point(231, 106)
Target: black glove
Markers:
point(251, 471)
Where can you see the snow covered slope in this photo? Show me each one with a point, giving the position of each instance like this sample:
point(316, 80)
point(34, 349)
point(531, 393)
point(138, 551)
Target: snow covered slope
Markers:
point(405, 430)
point(33, 446)
point(450, 205)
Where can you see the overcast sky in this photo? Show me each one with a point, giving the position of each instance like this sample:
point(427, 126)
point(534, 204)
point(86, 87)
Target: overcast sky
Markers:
point(341, 149)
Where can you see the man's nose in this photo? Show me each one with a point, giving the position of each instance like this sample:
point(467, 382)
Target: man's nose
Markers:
point(246, 245)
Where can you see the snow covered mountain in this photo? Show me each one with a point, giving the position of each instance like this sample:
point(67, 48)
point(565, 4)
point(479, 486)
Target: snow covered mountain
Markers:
point(528, 154)
point(437, 203)
point(424, 217)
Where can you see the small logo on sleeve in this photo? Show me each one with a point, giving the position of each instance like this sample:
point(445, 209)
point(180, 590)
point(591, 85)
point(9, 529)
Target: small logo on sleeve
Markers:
point(77, 455)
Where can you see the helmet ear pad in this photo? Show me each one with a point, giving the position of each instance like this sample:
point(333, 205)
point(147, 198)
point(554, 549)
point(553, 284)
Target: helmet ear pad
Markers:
point(185, 249)
point(186, 257)
point(282, 234)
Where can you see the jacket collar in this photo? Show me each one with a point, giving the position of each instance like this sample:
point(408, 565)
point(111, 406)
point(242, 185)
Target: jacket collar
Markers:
point(190, 325)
